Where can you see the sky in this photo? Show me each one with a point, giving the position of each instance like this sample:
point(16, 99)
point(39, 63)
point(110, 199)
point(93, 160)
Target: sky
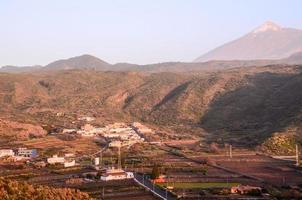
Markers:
point(134, 31)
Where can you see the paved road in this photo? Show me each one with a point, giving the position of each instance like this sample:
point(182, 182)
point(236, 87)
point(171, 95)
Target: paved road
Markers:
point(147, 183)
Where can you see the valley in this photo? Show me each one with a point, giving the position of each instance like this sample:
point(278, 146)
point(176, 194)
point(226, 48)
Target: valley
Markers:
point(194, 119)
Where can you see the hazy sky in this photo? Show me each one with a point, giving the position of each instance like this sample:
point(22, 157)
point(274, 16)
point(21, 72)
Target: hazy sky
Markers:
point(135, 31)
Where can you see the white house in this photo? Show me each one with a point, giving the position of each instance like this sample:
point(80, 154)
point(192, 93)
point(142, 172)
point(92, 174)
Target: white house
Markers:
point(86, 133)
point(69, 130)
point(27, 153)
point(111, 135)
point(6, 152)
point(115, 144)
point(116, 174)
point(69, 164)
point(55, 159)
point(96, 161)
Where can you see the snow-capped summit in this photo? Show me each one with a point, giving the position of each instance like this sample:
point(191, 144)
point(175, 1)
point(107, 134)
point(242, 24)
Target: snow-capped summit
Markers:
point(267, 26)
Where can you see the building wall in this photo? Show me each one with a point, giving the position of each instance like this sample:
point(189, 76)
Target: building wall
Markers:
point(55, 160)
point(69, 164)
point(6, 152)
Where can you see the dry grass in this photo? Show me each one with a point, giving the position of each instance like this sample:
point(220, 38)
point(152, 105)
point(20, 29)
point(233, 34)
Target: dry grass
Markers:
point(79, 146)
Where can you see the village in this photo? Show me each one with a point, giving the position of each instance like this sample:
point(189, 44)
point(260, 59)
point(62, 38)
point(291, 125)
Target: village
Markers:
point(163, 170)
point(116, 135)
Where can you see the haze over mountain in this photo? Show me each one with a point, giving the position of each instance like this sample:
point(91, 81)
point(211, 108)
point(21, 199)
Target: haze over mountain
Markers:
point(92, 62)
point(266, 45)
point(268, 41)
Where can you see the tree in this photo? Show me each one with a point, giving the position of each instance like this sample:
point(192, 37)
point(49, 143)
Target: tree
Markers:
point(204, 169)
point(155, 172)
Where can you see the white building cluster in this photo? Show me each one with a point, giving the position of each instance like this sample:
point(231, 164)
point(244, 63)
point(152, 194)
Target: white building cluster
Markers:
point(90, 131)
point(141, 129)
point(117, 133)
point(87, 119)
point(68, 160)
point(19, 154)
point(120, 134)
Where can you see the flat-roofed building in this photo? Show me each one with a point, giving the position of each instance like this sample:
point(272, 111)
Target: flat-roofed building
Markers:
point(6, 152)
point(115, 144)
point(88, 119)
point(69, 163)
point(55, 159)
point(69, 130)
point(27, 153)
point(116, 174)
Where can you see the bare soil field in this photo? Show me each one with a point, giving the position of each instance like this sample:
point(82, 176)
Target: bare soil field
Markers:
point(273, 171)
point(50, 144)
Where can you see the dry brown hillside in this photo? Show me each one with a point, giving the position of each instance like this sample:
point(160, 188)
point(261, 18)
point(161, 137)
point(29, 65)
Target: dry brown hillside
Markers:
point(243, 106)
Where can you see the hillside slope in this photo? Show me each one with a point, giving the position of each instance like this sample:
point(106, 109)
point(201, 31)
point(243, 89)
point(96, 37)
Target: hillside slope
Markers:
point(232, 105)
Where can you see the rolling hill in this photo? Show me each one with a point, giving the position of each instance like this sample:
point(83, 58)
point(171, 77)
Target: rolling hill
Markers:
point(79, 62)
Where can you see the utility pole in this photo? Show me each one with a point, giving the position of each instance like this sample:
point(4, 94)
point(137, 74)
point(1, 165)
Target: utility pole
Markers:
point(103, 193)
point(101, 158)
point(227, 180)
point(119, 163)
point(111, 161)
point(297, 155)
point(231, 153)
point(166, 193)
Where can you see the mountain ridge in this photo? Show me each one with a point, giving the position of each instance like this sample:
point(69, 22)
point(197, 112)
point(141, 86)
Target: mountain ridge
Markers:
point(93, 63)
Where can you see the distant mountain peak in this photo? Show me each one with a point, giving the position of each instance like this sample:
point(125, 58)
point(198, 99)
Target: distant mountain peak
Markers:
point(85, 61)
point(267, 26)
point(268, 41)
